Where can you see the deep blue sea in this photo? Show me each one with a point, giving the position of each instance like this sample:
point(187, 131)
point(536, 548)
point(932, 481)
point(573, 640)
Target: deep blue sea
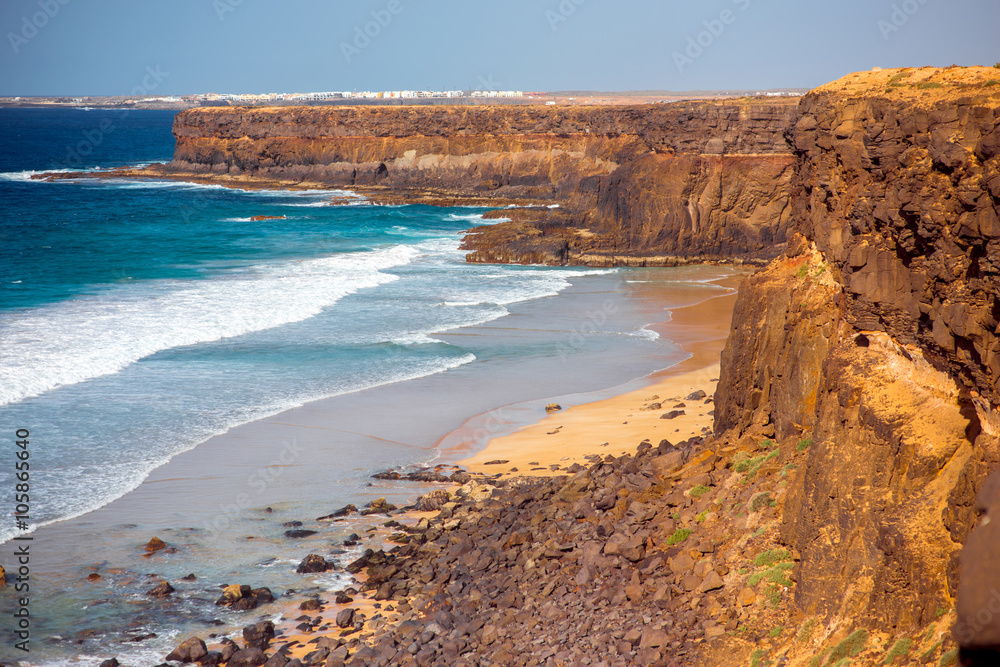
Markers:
point(139, 319)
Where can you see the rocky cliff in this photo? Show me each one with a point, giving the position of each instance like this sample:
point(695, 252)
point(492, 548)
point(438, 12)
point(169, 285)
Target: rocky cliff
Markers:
point(657, 184)
point(882, 347)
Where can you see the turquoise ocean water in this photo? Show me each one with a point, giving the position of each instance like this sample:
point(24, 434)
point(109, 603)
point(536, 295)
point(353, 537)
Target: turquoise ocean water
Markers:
point(138, 319)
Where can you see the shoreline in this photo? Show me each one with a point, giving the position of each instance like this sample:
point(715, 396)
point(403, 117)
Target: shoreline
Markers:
point(311, 485)
point(701, 328)
point(567, 436)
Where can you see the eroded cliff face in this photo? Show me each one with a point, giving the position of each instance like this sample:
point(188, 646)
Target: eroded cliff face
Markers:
point(644, 185)
point(882, 346)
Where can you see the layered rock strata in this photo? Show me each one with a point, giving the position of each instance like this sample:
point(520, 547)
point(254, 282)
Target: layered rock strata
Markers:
point(640, 185)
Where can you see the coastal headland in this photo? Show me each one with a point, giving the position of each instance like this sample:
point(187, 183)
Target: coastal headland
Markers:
point(839, 510)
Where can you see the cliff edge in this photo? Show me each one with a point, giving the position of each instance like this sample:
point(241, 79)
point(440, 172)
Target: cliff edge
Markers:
point(636, 185)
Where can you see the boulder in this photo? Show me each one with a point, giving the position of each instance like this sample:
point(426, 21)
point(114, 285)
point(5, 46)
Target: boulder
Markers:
point(313, 563)
point(553, 407)
point(3, 576)
point(432, 502)
point(231, 594)
point(113, 662)
point(312, 604)
point(161, 590)
point(155, 544)
point(248, 657)
point(673, 414)
point(696, 396)
point(343, 511)
point(279, 659)
point(317, 657)
point(712, 582)
point(190, 650)
point(258, 635)
point(227, 648)
point(345, 618)
point(299, 533)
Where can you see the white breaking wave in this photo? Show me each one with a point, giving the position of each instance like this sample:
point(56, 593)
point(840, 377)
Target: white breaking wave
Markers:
point(72, 341)
point(465, 216)
point(26, 175)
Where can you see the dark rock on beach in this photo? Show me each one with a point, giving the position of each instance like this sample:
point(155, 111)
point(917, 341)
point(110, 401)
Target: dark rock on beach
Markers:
point(313, 563)
point(258, 635)
point(161, 590)
point(298, 533)
point(155, 544)
point(248, 657)
point(191, 650)
point(342, 512)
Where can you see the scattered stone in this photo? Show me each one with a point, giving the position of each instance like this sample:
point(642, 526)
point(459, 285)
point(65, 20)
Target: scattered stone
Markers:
point(190, 650)
point(161, 590)
point(345, 618)
point(313, 563)
point(155, 544)
point(378, 506)
point(291, 524)
point(497, 462)
point(673, 414)
point(189, 577)
point(248, 657)
point(258, 635)
point(553, 407)
point(696, 396)
point(312, 604)
point(746, 597)
point(298, 533)
point(343, 511)
point(93, 576)
point(113, 662)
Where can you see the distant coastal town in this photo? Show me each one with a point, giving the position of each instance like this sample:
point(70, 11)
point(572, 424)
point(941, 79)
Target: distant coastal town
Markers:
point(134, 101)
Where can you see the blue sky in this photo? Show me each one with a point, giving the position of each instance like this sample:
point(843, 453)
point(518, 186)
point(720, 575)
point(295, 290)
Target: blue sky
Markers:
point(109, 47)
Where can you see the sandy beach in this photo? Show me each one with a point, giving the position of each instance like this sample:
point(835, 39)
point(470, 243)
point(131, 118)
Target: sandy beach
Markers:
point(613, 424)
point(661, 410)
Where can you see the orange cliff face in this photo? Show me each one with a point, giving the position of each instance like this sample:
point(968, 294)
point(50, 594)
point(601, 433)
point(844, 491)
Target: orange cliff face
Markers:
point(656, 184)
point(877, 339)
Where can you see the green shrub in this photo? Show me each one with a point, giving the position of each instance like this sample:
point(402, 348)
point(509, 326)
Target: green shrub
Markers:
point(991, 83)
point(997, 66)
point(760, 501)
point(772, 556)
point(700, 490)
point(701, 517)
point(776, 632)
point(900, 76)
point(774, 574)
point(900, 649)
point(850, 647)
point(768, 444)
point(927, 85)
point(773, 595)
point(751, 466)
point(806, 632)
point(679, 536)
point(804, 444)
